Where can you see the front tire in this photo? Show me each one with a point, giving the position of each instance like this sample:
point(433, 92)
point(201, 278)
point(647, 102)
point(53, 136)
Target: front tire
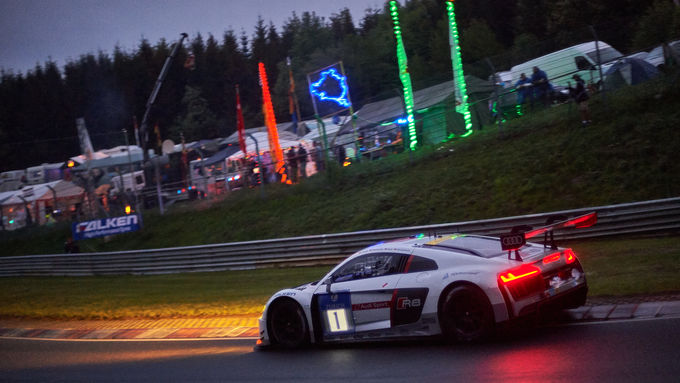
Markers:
point(466, 315)
point(287, 324)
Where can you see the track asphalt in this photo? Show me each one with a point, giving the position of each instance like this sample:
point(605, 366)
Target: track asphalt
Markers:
point(246, 327)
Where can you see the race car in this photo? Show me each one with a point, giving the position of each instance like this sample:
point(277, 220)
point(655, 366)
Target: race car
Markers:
point(456, 285)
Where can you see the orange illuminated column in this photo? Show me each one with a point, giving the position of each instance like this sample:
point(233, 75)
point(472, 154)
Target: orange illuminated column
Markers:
point(270, 122)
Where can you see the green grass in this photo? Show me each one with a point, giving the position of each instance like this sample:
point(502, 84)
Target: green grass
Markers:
point(613, 268)
point(631, 267)
point(160, 296)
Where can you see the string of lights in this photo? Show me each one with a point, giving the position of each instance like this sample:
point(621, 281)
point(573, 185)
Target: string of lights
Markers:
point(458, 74)
point(404, 76)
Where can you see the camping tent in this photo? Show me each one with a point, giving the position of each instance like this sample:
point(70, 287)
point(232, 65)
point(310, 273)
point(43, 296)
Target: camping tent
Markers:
point(39, 197)
point(629, 71)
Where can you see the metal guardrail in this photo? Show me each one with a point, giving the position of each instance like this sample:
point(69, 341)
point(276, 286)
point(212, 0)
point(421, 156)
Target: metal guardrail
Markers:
point(649, 217)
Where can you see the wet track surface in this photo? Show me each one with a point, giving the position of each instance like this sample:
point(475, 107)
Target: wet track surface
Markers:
point(635, 351)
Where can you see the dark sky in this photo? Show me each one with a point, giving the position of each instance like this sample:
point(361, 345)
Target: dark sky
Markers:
point(33, 31)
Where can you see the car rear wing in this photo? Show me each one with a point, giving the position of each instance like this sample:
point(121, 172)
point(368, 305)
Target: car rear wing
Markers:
point(518, 236)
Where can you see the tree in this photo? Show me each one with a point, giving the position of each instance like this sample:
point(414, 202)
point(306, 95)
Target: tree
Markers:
point(478, 41)
point(659, 24)
point(197, 121)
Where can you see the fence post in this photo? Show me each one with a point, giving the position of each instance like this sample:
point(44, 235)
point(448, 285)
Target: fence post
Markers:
point(494, 81)
point(599, 66)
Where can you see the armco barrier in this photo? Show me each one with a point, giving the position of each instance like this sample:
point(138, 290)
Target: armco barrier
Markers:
point(647, 217)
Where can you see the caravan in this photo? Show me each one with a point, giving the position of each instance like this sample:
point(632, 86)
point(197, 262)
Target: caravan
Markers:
point(579, 59)
point(131, 182)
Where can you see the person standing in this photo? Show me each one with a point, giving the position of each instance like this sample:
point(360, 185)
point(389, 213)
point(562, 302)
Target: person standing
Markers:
point(341, 155)
point(302, 157)
point(539, 79)
point(318, 157)
point(523, 87)
point(292, 164)
point(580, 96)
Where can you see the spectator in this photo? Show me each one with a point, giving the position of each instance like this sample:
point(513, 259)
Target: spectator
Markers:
point(539, 79)
point(580, 96)
point(70, 246)
point(302, 157)
point(523, 86)
point(341, 155)
point(318, 157)
point(291, 157)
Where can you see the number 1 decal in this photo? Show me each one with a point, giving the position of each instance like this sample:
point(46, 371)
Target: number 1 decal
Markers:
point(337, 320)
point(335, 310)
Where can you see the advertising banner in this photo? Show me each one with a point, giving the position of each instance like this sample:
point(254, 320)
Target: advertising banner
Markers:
point(106, 226)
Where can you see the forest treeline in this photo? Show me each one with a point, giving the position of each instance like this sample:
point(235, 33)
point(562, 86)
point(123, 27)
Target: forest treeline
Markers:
point(38, 108)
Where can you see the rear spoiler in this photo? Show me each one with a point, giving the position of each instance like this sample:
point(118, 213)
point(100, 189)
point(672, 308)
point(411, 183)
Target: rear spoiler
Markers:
point(518, 235)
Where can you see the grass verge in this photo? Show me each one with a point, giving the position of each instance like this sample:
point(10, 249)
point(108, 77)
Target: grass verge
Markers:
point(614, 267)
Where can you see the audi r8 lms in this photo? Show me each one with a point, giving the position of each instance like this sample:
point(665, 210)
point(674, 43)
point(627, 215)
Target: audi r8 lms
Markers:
point(459, 286)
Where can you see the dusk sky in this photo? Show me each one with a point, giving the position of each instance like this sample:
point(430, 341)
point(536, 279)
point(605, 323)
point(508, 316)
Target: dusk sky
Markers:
point(33, 31)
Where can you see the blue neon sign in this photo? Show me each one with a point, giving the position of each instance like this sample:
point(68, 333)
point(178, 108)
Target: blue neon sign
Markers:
point(319, 88)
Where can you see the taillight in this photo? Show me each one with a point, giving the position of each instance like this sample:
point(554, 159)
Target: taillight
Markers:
point(569, 256)
point(522, 281)
point(519, 273)
point(551, 258)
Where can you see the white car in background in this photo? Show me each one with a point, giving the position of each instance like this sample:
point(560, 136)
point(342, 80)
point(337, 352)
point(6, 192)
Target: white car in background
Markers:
point(656, 56)
point(460, 286)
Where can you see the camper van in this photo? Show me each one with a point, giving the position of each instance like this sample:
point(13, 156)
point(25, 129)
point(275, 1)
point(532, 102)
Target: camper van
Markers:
point(130, 182)
point(579, 59)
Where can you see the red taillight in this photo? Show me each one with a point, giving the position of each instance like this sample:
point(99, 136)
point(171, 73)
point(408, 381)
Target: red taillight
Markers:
point(569, 256)
point(522, 281)
point(519, 273)
point(551, 258)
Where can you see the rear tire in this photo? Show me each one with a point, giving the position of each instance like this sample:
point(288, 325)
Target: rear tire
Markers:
point(466, 315)
point(287, 324)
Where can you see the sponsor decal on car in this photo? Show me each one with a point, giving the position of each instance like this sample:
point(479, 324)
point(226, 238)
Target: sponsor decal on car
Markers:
point(370, 306)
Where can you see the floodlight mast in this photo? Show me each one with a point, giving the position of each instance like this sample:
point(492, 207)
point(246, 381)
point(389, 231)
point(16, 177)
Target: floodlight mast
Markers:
point(154, 93)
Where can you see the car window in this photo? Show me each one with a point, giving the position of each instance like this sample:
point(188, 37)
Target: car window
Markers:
point(421, 264)
point(369, 266)
point(606, 54)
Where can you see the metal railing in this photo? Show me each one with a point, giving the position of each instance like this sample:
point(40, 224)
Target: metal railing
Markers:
point(649, 217)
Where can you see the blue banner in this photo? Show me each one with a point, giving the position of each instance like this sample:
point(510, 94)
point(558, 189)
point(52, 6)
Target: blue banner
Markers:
point(106, 226)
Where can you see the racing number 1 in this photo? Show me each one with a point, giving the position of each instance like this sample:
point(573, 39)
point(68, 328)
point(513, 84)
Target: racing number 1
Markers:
point(337, 320)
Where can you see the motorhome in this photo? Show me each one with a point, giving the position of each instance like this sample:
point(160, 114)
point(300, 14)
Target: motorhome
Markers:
point(579, 59)
point(130, 182)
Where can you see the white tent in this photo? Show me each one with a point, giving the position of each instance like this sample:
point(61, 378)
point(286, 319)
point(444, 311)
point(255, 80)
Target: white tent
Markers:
point(315, 133)
point(286, 140)
point(63, 189)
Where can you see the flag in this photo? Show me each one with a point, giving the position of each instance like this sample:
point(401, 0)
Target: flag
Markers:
point(270, 122)
point(291, 96)
point(240, 125)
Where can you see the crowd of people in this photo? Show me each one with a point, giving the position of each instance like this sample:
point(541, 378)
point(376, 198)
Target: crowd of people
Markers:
point(537, 88)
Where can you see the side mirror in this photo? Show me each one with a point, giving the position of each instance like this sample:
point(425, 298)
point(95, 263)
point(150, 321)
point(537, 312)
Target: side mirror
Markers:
point(328, 283)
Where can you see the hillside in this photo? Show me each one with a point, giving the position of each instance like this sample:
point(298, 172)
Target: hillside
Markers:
point(541, 162)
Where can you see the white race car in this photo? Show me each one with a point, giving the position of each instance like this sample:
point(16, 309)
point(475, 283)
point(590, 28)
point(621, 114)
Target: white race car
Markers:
point(460, 286)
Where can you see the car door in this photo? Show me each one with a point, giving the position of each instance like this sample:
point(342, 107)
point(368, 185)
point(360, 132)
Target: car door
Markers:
point(360, 294)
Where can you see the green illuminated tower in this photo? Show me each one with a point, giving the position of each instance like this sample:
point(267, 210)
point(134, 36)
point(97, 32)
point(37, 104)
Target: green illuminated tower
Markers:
point(404, 76)
point(462, 106)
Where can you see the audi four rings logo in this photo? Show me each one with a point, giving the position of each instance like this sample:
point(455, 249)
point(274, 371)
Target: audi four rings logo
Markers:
point(512, 241)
